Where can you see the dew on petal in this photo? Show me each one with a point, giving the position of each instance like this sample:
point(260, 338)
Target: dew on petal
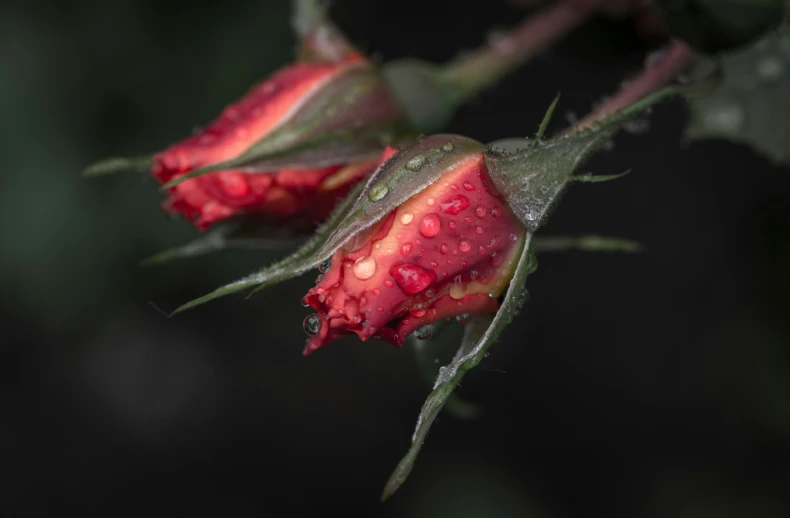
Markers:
point(468, 186)
point(481, 249)
point(435, 264)
point(444, 248)
point(412, 278)
point(388, 283)
point(405, 249)
point(496, 212)
point(480, 211)
point(454, 204)
point(457, 291)
point(451, 224)
point(364, 267)
point(464, 245)
point(430, 225)
point(406, 218)
point(312, 324)
point(479, 230)
point(430, 201)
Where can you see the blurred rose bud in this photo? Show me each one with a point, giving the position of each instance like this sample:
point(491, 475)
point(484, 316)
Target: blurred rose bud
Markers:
point(448, 250)
point(291, 147)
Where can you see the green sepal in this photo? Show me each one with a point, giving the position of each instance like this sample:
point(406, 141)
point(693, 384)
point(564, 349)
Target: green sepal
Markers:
point(591, 178)
point(533, 178)
point(588, 243)
point(141, 164)
point(481, 333)
point(231, 235)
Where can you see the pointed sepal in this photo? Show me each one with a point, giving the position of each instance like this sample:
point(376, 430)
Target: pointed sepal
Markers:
point(481, 332)
point(118, 165)
point(588, 243)
point(533, 178)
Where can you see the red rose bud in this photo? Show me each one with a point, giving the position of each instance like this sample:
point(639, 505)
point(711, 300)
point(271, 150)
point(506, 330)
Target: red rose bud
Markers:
point(290, 147)
point(448, 250)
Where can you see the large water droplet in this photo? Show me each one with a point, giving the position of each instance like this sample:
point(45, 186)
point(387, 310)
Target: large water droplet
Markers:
point(424, 332)
point(415, 163)
point(405, 249)
point(325, 265)
point(406, 218)
point(412, 278)
point(454, 204)
point(378, 191)
point(312, 324)
point(430, 225)
point(364, 267)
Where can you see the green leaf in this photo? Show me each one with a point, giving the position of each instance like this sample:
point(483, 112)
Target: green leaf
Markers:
point(481, 333)
point(752, 105)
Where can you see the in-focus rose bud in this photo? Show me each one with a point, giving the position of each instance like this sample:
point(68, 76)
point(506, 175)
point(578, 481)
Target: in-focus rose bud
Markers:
point(291, 147)
point(448, 250)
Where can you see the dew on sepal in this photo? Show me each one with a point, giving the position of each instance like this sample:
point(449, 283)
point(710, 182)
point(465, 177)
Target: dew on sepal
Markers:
point(378, 191)
point(415, 163)
point(325, 265)
point(424, 332)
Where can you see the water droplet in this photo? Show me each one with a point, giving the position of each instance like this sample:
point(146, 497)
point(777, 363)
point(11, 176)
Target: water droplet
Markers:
point(380, 309)
point(312, 324)
point(496, 212)
point(378, 191)
point(464, 245)
point(513, 237)
point(412, 278)
point(419, 313)
point(424, 332)
point(468, 186)
point(444, 248)
point(388, 283)
point(405, 249)
point(480, 211)
point(305, 303)
point(415, 163)
point(481, 249)
point(430, 225)
point(451, 224)
point(479, 230)
point(769, 68)
point(435, 264)
point(406, 218)
point(325, 265)
point(430, 201)
point(447, 147)
point(467, 219)
point(364, 267)
point(457, 291)
point(319, 278)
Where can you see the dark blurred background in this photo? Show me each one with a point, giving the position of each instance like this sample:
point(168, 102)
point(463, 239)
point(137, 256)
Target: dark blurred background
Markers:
point(653, 385)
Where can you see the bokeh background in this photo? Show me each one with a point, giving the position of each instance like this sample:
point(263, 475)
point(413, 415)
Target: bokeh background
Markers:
point(653, 385)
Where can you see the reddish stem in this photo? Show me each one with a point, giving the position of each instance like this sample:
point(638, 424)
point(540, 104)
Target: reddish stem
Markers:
point(483, 67)
point(666, 68)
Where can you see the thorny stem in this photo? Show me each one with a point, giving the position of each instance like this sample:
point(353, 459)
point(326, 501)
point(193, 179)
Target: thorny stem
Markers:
point(481, 68)
point(671, 62)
